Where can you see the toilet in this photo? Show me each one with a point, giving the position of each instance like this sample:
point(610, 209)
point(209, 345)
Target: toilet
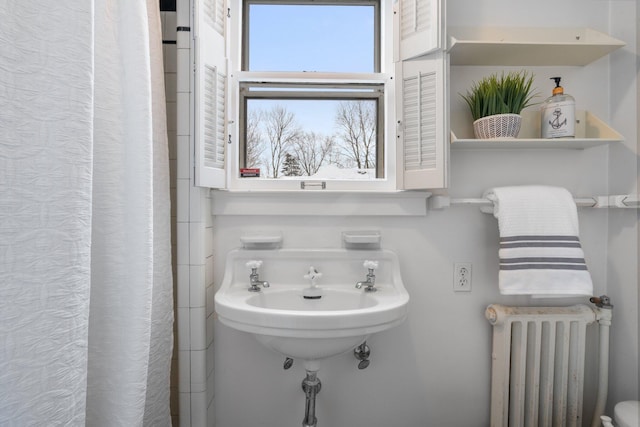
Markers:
point(625, 414)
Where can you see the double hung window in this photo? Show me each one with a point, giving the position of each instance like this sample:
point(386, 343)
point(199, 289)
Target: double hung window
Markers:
point(316, 92)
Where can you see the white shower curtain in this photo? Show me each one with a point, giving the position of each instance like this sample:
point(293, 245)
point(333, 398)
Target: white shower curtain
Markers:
point(85, 259)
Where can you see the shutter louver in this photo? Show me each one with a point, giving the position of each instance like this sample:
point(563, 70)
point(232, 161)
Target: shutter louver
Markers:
point(419, 28)
point(214, 15)
point(419, 95)
point(214, 118)
point(415, 17)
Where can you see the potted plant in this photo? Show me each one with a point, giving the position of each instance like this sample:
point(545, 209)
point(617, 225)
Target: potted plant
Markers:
point(496, 103)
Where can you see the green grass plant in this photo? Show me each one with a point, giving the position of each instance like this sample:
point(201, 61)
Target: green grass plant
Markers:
point(500, 94)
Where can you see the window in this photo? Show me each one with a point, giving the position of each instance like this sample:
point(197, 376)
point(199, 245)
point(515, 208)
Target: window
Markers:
point(305, 111)
point(291, 91)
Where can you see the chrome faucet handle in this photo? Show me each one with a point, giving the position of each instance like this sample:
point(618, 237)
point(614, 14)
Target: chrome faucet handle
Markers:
point(371, 265)
point(254, 263)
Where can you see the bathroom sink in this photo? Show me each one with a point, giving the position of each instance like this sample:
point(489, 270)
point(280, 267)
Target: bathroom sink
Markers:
point(311, 324)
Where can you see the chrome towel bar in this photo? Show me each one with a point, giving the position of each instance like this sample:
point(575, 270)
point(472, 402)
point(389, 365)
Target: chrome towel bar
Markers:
point(486, 205)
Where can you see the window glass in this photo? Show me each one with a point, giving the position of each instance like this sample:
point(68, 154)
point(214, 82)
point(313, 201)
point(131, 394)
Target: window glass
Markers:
point(313, 138)
point(296, 123)
point(311, 37)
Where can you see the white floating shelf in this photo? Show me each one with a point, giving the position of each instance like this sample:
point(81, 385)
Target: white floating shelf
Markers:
point(590, 132)
point(512, 46)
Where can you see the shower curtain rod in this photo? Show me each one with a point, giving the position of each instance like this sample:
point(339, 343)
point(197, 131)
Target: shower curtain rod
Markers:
point(486, 205)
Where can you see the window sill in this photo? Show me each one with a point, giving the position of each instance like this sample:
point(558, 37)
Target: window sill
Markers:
point(320, 203)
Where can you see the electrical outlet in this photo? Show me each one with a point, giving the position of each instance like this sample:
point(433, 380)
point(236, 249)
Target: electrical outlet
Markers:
point(462, 277)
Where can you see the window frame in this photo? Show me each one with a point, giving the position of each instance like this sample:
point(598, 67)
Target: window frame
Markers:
point(386, 169)
point(216, 46)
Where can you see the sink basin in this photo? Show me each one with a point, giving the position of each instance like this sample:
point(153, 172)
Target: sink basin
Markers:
point(280, 316)
point(332, 299)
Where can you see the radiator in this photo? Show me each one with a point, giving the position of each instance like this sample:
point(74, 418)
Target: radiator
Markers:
point(538, 365)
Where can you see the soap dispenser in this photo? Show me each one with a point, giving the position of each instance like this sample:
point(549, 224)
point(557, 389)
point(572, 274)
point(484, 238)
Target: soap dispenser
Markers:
point(558, 114)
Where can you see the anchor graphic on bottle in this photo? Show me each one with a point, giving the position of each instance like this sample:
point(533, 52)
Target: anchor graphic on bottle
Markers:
point(558, 114)
point(556, 123)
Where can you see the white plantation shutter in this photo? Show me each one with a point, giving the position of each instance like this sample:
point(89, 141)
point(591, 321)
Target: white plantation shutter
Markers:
point(419, 27)
point(421, 117)
point(210, 93)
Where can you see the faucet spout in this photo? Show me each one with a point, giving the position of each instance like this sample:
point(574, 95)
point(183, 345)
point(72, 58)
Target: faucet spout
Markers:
point(313, 291)
point(370, 283)
point(360, 284)
point(313, 275)
point(262, 283)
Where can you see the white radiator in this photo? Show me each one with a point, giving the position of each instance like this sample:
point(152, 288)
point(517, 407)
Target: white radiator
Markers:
point(538, 365)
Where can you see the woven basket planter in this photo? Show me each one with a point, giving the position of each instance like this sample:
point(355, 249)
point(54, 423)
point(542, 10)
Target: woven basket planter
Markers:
point(497, 126)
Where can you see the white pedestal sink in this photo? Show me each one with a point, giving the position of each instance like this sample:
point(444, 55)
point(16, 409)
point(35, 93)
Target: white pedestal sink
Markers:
point(280, 316)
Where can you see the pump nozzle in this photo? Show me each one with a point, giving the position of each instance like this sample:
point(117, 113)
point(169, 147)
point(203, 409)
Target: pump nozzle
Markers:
point(558, 90)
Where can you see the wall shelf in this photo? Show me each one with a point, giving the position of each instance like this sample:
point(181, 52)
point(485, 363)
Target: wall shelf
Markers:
point(590, 132)
point(528, 46)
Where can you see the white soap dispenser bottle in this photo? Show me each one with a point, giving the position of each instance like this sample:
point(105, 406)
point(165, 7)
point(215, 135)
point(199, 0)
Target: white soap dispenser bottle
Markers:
point(558, 114)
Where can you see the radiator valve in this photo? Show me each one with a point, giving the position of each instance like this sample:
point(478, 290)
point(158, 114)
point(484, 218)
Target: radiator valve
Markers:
point(602, 301)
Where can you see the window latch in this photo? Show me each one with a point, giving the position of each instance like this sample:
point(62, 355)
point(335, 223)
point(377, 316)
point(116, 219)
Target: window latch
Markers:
point(304, 185)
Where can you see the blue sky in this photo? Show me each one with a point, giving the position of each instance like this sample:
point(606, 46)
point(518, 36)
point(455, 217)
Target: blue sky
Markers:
point(311, 38)
point(316, 116)
point(321, 38)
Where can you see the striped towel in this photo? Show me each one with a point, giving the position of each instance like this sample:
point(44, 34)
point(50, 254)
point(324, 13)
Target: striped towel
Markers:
point(540, 252)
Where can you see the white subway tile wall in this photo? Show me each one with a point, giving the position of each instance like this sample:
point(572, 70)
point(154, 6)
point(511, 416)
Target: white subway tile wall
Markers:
point(197, 296)
point(182, 294)
point(199, 409)
point(182, 148)
point(198, 339)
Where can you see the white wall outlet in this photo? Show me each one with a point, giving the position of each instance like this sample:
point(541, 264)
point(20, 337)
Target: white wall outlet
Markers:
point(462, 277)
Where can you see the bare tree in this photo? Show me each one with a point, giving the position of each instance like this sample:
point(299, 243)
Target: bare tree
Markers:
point(357, 122)
point(282, 131)
point(312, 150)
point(253, 139)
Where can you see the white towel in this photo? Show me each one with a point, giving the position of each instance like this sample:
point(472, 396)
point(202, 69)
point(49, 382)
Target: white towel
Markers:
point(540, 252)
